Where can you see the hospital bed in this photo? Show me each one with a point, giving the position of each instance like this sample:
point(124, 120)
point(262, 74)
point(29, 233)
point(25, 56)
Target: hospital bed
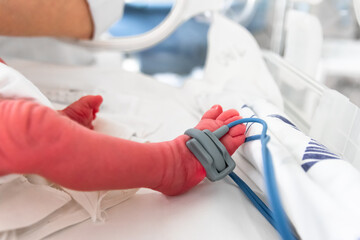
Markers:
point(217, 210)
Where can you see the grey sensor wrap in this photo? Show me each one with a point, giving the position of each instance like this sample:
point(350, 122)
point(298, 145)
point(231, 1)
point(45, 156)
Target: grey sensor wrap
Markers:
point(211, 153)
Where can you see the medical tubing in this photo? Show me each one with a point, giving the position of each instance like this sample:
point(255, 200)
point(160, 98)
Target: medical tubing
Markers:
point(257, 202)
point(252, 138)
point(281, 221)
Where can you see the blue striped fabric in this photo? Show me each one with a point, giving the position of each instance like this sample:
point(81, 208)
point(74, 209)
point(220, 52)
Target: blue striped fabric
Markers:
point(306, 166)
point(316, 152)
point(284, 119)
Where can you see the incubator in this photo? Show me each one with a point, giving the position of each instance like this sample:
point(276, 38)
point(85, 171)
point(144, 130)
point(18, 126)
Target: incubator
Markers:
point(270, 61)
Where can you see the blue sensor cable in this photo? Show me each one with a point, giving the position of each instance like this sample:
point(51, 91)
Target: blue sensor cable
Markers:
point(277, 216)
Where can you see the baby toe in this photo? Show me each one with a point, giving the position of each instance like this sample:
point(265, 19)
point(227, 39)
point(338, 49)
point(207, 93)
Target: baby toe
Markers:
point(227, 115)
point(213, 112)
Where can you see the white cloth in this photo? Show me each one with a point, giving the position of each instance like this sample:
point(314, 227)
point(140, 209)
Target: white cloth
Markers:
point(320, 196)
point(320, 192)
point(44, 49)
point(321, 203)
point(133, 100)
point(105, 13)
point(39, 203)
point(234, 68)
point(14, 85)
point(148, 214)
point(214, 210)
point(31, 202)
point(209, 211)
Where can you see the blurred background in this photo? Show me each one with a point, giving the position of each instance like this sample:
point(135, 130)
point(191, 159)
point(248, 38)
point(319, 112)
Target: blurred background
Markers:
point(320, 38)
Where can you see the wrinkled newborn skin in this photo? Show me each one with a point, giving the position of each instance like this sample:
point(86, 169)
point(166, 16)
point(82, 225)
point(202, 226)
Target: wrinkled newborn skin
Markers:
point(60, 146)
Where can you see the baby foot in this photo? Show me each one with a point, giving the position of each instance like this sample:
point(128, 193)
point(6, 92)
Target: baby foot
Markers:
point(84, 110)
point(216, 118)
point(184, 170)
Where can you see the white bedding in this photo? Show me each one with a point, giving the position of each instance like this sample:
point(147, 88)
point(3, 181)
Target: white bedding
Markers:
point(210, 211)
point(139, 108)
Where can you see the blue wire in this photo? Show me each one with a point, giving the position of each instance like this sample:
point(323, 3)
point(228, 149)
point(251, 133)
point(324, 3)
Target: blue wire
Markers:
point(252, 138)
point(259, 204)
point(278, 215)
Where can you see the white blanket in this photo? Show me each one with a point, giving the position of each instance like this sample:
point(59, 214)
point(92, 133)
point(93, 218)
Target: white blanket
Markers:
point(320, 192)
point(320, 199)
point(38, 202)
point(148, 214)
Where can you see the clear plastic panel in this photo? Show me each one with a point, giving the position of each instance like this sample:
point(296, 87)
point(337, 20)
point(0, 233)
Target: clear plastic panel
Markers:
point(322, 113)
point(301, 94)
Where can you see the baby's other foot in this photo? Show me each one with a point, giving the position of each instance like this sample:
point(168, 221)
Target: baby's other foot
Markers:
point(84, 110)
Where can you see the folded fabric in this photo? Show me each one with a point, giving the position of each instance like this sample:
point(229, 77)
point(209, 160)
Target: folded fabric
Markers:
point(23, 204)
point(69, 215)
point(318, 189)
point(15, 85)
point(235, 66)
point(36, 201)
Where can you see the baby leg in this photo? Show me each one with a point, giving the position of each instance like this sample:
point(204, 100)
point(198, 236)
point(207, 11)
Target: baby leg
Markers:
point(37, 139)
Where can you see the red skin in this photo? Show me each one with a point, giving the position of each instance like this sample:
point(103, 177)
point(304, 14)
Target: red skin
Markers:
point(61, 147)
point(83, 110)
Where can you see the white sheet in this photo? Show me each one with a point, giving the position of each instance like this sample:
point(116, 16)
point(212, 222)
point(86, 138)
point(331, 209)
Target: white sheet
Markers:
point(38, 201)
point(310, 197)
point(150, 214)
point(211, 210)
point(23, 204)
point(234, 68)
